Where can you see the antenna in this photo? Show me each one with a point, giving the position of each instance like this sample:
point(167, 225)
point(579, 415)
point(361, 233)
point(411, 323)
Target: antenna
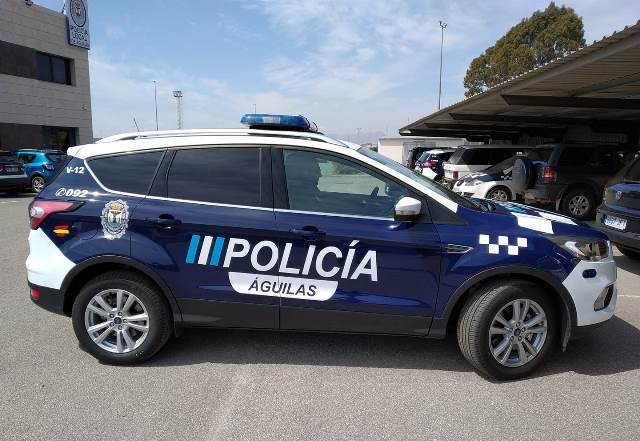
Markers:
point(136, 123)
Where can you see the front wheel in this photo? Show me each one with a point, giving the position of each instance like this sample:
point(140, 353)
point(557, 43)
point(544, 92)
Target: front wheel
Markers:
point(499, 193)
point(507, 329)
point(120, 318)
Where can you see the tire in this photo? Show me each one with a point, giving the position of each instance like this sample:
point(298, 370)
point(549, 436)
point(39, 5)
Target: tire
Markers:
point(38, 183)
point(579, 204)
point(500, 193)
point(480, 312)
point(631, 254)
point(146, 299)
point(523, 174)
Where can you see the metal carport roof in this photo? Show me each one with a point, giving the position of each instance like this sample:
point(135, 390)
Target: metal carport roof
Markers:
point(596, 86)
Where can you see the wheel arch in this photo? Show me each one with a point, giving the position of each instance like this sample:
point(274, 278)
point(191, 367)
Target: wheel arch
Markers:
point(510, 192)
point(562, 299)
point(88, 269)
point(574, 186)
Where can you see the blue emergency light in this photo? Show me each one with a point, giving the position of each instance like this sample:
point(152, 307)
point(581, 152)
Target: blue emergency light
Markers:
point(278, 122)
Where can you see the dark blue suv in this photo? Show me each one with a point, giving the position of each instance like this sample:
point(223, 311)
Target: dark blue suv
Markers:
point(619, 214)
point(280, 227)
point(40, 165)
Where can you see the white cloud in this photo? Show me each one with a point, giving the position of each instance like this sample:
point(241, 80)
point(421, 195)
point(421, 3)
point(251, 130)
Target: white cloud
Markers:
point(115, 32)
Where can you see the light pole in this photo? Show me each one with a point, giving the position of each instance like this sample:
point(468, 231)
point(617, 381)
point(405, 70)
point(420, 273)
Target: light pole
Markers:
point(155, 97)
point(178, 95)
point(442, 26)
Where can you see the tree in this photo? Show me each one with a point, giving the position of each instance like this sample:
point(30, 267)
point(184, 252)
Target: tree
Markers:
point(534, 41)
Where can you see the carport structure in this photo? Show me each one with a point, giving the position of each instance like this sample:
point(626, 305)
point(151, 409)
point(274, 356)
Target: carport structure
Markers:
point(590, 95)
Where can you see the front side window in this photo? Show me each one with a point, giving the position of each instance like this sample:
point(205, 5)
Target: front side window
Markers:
point(127, 173)
point(223, 175)
point(317, 182)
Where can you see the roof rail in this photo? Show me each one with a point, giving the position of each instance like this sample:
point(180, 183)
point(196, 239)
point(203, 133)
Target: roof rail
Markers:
point(218, 132)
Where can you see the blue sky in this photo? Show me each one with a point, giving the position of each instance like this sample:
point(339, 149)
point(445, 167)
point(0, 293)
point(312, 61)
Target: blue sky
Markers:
point(347, 64)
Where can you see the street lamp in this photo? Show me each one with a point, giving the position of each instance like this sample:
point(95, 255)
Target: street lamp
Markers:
point(155, 97)
point(442, 26)
point(178, 95)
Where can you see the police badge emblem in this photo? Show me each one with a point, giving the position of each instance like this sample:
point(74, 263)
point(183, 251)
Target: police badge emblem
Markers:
point(115, 219)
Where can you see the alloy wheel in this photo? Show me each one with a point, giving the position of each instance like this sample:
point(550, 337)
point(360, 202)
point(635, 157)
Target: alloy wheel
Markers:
point(578, 205)
point(116, 320)
point(499, 195)
point(518, 332)
point(37, 184)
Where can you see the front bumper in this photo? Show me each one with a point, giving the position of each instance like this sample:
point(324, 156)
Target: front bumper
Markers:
point(475, 191)
point(629, 237)
point(595, 297)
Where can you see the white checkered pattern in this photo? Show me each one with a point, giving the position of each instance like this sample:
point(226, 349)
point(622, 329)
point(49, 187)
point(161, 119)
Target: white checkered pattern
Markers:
point(503, 241)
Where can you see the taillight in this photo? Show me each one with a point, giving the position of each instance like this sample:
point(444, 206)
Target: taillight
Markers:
point(40, 210)
point(549, 175)
point(48, 166)
point(455, 174)
point(430, 164)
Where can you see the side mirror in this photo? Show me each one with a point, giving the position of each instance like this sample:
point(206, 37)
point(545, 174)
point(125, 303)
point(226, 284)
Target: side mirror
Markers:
point(407, 209)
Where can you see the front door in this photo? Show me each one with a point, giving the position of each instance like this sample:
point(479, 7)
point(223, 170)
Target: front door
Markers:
point(347, 265)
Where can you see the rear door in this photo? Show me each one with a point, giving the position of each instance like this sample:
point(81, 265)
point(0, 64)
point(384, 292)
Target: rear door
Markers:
point(346, 264)
point(207, 209)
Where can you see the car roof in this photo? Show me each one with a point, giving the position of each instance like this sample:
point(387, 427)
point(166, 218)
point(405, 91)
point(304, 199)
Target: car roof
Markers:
point(39, 151)
point(495, 146)
point(199, 138)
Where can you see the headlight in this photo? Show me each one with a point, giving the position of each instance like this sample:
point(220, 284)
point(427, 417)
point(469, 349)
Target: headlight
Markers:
point(583, 248)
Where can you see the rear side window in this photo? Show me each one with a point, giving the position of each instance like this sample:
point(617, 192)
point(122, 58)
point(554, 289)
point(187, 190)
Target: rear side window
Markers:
point(56, 157)
point(229, 175)
point(575, 156)
point(127, 173)
point(457, 155)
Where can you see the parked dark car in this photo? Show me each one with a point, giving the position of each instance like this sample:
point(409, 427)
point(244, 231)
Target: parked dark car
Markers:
point(569, 176)
point(619, 215)
point(414, 154)
point(434, 159)
point(12, 176)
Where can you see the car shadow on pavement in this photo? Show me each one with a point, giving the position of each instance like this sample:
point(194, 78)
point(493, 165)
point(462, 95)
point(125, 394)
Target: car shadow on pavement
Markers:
point(612, 348)
point(628, 264)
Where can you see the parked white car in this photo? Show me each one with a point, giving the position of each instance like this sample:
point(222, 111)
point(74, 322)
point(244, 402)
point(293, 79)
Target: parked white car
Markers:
point(493, 183)
point(473, 158)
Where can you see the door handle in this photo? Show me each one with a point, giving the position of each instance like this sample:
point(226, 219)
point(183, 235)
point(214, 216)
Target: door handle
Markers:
point(164, 220)
point(308, 233)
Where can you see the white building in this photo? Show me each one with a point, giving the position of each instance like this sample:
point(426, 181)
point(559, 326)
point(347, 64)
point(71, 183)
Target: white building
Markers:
point(398, 147)
point(45, 99)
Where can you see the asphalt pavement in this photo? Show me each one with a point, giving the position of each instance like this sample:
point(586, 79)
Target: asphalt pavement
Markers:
point(244, 385)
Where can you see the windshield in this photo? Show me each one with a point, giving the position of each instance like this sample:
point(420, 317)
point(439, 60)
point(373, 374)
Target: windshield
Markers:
point(500, 166)
point(633, 174)
point(418, 178)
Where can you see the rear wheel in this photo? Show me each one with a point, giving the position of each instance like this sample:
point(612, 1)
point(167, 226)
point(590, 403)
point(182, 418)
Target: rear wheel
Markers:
point(120, 318)
point(507, 329)
point(578, 203)
point(38, 183)
point(631, 254)
point(499, 193)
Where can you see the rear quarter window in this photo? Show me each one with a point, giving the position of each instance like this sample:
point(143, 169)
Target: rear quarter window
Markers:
point(129, 173)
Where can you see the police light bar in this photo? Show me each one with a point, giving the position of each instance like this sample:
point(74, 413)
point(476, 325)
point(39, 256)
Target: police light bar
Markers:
point(278, 122)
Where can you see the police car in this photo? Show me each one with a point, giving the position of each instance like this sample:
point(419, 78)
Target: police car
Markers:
point(494, 183)
point(276, 226)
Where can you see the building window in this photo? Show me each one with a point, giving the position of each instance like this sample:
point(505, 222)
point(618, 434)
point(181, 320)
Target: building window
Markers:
point(60, 138)
point(54, 69)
